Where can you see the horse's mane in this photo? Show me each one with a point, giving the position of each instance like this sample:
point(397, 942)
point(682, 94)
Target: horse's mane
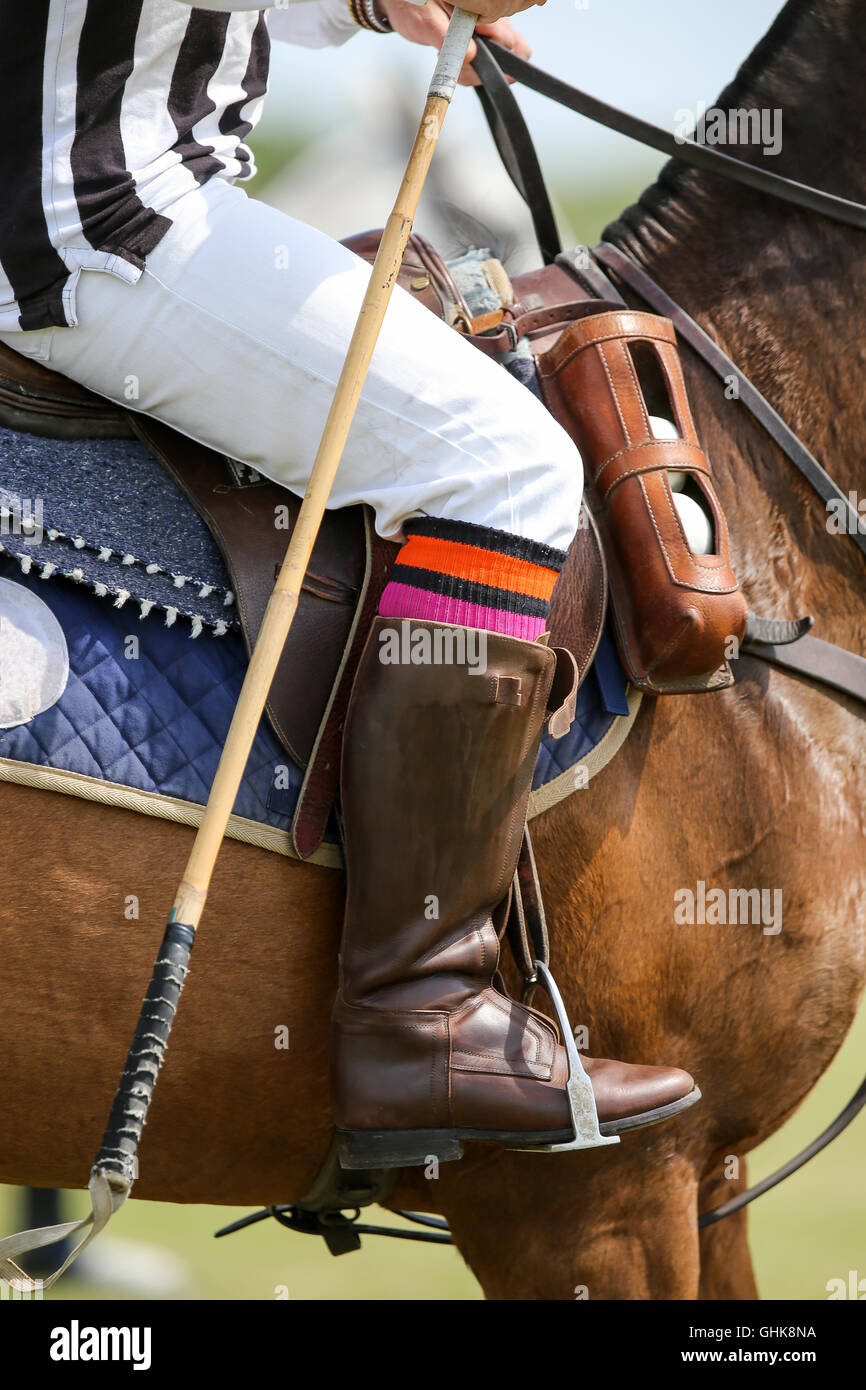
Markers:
point(749, 75)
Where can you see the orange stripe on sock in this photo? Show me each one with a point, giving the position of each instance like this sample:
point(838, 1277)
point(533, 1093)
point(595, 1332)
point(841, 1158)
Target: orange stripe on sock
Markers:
point(480, 565)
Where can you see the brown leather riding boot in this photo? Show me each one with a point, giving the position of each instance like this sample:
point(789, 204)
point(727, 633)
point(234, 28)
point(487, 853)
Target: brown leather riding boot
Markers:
point(427, 1051)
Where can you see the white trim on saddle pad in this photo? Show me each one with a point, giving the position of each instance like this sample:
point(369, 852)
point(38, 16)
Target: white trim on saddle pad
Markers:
point(250, 832)
point(54, 779)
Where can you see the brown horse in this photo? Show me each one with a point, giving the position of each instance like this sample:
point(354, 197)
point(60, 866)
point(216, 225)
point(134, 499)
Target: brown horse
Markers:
point(761, 786)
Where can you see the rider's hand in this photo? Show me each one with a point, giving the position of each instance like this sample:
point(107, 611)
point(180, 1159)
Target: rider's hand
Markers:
point(427, 24)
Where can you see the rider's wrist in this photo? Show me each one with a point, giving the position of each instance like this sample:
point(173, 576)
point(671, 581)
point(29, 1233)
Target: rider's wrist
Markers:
point(368, 14)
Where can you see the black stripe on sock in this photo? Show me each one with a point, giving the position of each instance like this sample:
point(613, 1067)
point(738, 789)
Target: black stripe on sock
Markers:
point(34, 269)
point(470, 591)
point(488, 538)
point(198, 58)
point(113, 217)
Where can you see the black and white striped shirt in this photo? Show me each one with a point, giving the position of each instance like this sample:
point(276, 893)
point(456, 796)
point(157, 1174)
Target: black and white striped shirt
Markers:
point(113, 109)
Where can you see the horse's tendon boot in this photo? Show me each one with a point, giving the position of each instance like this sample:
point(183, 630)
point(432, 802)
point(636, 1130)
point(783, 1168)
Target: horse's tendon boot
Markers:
point(426, 1048)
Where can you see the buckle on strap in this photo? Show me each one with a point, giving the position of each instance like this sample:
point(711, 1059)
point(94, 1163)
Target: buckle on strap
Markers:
point(581, 1099)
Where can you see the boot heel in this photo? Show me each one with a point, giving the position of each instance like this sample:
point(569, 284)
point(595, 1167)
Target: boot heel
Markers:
point(406, 1148)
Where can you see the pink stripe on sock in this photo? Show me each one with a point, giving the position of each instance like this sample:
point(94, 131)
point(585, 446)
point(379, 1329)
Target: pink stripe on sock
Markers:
point(406, 601)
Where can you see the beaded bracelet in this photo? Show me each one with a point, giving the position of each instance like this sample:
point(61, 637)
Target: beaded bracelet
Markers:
point(366, 15)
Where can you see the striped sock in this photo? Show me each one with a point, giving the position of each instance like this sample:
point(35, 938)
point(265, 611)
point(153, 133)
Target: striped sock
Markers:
point(457, 572)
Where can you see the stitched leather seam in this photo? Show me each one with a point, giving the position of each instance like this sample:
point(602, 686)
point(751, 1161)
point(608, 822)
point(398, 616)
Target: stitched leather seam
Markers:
point(535, 1061)
point(663, 467)
point(635, 472)
point(607, 372)
point(658, 444)
point(537, 1072)
point(652, 517)
point(474, 1004)
point(681, 583)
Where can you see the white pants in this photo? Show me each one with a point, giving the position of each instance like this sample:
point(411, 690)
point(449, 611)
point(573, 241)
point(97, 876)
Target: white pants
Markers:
point(235, 335)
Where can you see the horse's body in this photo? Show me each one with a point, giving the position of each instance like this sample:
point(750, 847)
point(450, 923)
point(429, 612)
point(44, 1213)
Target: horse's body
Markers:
point(761, 786)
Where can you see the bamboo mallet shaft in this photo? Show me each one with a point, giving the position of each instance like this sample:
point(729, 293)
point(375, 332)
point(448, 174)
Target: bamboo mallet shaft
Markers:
point(282, 605)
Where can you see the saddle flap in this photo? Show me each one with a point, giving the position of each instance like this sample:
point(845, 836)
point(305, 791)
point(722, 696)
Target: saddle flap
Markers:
point(579, 605)
point(252, 524)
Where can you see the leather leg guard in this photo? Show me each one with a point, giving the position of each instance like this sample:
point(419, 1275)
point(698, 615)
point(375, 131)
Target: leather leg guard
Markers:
point(606, 379)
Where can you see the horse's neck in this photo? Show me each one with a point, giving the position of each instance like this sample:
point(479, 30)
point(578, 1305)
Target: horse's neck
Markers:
point(784, 293)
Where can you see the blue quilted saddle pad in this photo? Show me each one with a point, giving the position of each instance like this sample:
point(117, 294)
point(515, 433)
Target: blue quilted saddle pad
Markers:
point(148, 707)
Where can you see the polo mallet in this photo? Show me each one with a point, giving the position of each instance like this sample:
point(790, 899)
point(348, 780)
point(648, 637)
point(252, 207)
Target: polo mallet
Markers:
point(116, 1165)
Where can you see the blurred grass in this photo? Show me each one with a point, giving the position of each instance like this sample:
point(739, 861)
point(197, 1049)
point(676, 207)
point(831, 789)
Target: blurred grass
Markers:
point(809, 1230)
point(812, 1228)
point(589, 213)
point(585, 208)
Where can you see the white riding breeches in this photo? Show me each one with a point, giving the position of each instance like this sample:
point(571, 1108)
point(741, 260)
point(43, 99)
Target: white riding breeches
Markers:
point(235, 334)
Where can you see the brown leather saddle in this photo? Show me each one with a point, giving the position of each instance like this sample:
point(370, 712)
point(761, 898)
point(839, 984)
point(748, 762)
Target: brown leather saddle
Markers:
point(251, 520)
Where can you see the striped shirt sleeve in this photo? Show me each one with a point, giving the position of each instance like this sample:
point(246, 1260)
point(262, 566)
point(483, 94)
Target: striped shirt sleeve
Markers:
point(309, 23)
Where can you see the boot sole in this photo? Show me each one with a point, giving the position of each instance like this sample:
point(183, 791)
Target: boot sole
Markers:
point(412, 1148)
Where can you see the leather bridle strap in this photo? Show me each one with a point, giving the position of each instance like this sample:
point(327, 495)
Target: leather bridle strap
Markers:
point(689, 151)
point(842, 1121)
point(516, 149)
point(637, 279)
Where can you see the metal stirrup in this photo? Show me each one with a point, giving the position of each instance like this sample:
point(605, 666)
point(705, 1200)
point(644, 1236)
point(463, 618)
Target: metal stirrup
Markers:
point(581, 1097)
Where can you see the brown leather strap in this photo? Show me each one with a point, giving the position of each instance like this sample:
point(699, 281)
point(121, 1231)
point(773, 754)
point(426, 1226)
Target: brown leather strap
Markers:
point(322, 781)
point(527, 927)
point(653, 456)
point(815, 660)
point(442, 279)
point(518, 322)
point(423, 274)
point(533, 904)
point(517, 935)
